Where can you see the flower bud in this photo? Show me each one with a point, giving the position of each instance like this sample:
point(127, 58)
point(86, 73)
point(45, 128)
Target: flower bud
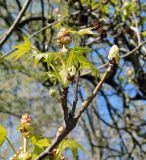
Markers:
point(70, 76)
point(64, 50)
point(114, 54)
point(26, 119)
point(62, 158)
point(56, 10)
point(52, 92)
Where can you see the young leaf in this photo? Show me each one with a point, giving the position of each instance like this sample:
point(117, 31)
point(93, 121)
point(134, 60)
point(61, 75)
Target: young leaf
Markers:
point(21, 50)
point(41, 142)
point(47, 56)
point(3, 133)
point(36, 151)
point(81, 50)
point(85, 31)
point(81, 31)
point(72, 144)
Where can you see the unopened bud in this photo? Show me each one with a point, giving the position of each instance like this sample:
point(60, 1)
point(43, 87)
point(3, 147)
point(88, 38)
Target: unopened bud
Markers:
point(52, 92)
point(62, 158)
point(70, 76)
point(26, 119)
point(60, 130)
point(114, 54)
point(56, 10)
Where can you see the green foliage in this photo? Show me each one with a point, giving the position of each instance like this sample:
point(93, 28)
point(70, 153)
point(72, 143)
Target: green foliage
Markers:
point(71, 144)
point(21, 50)
point(77, 57)
point(81, 32)
point(36, 151)
point(48, 57)
point(3, 133)
point(41, 142)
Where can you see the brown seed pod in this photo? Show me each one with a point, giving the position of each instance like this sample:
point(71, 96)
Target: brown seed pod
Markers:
point(65, 40)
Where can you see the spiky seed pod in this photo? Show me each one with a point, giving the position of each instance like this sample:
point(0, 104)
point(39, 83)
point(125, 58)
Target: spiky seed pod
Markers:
point(114, 56)
point(63, 37)
point(65, 40)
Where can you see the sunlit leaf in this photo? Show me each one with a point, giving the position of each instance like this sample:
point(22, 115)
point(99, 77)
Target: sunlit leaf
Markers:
point(85, 31)
point(21, 50)
point(48, 57)
point(71, 144)
point(41, 142)
point(36, 151)
point(3, 133)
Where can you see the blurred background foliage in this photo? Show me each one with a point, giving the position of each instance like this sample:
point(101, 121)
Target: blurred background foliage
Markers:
point(114, 127)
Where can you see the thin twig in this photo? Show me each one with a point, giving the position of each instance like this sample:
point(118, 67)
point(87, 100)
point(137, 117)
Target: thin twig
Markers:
point(36, 33)
point(121, 57)
point(71, 123)
point(86, 103)
point(15, 23)
point(11, 144)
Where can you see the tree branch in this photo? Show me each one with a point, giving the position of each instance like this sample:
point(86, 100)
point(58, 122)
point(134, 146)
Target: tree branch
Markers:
point(86, 103)
point(15, 23)
point(71, 122)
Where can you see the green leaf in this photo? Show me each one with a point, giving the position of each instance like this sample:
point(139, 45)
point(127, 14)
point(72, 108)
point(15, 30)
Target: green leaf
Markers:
point(72, 144)
point(81, 31)
point(143, 33)
point(3, 133)
point(85, 31)
point(47, 56)
point(36, 151)
point(21, 50)
point(41, 142)
point(81, 50)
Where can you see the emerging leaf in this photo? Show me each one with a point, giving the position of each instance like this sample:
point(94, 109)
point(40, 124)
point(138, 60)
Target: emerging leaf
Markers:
point(21, 49)
point(41, 142)
point(72, 144)
point(85, 31)
point(3, 133)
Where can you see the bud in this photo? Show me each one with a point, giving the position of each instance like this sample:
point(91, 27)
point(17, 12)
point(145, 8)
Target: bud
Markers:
point(52, 92)
point(64, 50)
point(56, 10)
point(26, 119)
point(60, 130)
point(70, 76)
point(62, 158)
point(114, 54)
point(25, 125)
point(104, 1)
